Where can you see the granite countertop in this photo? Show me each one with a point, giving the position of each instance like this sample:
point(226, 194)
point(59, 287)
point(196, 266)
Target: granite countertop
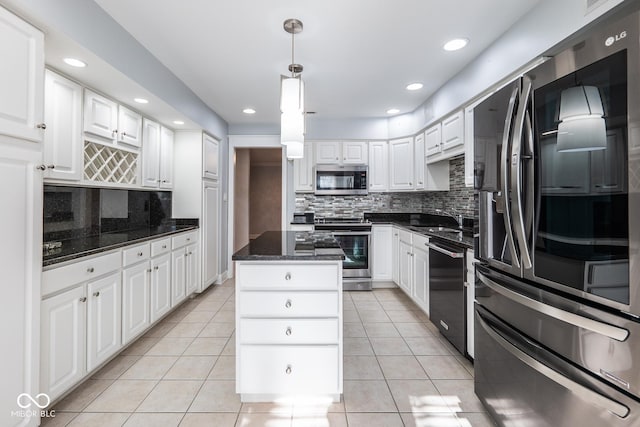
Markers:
point(428, 225)
point(90, 245)
point(291, 245)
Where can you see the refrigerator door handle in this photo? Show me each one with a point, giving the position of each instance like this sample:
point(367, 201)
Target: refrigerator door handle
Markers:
point(585, 393)
point(517, 207)
point(502, 201)
point(613, 332)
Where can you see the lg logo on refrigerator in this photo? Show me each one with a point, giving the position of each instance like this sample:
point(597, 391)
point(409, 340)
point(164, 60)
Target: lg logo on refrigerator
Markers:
point(611, 40)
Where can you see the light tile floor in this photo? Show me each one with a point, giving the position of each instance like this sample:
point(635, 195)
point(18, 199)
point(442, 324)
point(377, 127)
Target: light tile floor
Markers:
point(398, 371)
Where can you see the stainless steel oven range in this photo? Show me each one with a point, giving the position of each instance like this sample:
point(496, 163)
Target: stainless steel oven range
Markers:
point(354, 237)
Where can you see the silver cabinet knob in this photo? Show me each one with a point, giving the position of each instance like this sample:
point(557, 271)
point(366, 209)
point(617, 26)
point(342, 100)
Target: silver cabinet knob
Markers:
point(164, 246)
point(90, 270)
point(42, 126)
point(41, 167)
point(287, 276)
point(114, 132)
point(288, 370)
point(288, 303)
point(188, 239)
point(51, 166)
point(83, 299)
point(149, 271)
point(96, 294)
point(156, 268)
point(140, 254)
point(288, 331)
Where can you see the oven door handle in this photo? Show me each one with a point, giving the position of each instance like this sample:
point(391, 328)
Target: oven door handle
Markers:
point(351, 233)
point(445, 251)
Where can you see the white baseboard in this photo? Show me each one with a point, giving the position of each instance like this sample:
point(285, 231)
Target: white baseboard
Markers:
point(383, 284)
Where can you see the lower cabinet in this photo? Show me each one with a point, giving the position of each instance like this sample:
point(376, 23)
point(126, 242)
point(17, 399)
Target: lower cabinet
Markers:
point(184, 267)
point(191, 268)
point(395, 255)
point(104, 317)
point(405, 257)
point(411, 256)
point(381, 238)
point(160, 286)
point(135, 300)
point(421, 272)
point(178, 276)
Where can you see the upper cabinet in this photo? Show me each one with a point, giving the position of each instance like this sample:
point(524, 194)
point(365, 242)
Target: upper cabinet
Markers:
point(341, 153)
point(401, 164)
point(445, 139)
point(378, 166)
point(418, 157)
point(166, 158)
point(303, 171)
point(157, 156)
point(62, 140)
point(105, 118)
point(21, 78)
point(210, 147)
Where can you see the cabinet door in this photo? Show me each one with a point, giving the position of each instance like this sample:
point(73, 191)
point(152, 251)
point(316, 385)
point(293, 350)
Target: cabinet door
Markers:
point(433, 140)
point(104, 319)
point(209, 157)
point(354, 153)
point(63, 116)
point(453, 131)
point(100, 115)
point(135, 300)
point(328, 152)
point(303, 171)
point(62, 327)
point(419, 158)
point(166, 158)
point(129, 127)
point(21, 78)
point(395, 254)
point(151, 154)
point(401, 164)
point(191, 268)
point(378, 166)
point(160, 286)
point(178, 276)
point(382, 252)
point(210, 235)
point(421, 277)
point(405, 270)
point(468, 147)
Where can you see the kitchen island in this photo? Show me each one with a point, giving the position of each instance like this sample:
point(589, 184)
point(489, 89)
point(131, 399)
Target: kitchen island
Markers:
point(289, 317)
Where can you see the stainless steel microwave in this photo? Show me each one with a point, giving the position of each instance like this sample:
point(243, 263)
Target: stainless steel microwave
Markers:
point(341, 180)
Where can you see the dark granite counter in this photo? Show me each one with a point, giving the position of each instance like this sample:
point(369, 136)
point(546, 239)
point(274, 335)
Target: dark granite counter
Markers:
point(291, 245)
point(428, 225)
point(76, 247)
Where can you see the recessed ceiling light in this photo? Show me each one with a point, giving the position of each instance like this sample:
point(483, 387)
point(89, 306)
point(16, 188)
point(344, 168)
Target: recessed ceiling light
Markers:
point(393, 111)
point(249, 111)
point(414, 86)
point(455, 44)
point(75, 62)
point(178, 122)
point(141, 100)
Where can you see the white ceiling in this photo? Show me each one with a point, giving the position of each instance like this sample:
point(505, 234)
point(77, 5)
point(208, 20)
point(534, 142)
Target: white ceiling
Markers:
point(358, 55)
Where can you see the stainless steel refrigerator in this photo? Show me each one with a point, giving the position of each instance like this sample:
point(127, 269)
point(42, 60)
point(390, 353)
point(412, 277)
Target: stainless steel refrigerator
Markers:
point(557, 169)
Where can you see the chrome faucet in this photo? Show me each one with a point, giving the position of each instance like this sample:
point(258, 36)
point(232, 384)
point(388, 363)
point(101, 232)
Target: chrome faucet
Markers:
point(458, 217)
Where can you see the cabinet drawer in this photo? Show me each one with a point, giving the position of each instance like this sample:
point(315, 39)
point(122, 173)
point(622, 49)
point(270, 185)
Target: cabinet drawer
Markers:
point(405, 236)
point(159, 247)
point(287, 369)
point(184, 239)
point(288, 276)
point(420, 241)
point(85, 269)
point(135, 254)
point(288, 304)
point(289, 331)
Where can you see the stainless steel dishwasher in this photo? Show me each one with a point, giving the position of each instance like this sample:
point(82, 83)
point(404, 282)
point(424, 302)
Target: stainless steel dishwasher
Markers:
point(446, 290)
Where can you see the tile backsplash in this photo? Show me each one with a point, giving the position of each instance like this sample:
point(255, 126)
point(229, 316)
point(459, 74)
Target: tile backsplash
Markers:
point(458, 199)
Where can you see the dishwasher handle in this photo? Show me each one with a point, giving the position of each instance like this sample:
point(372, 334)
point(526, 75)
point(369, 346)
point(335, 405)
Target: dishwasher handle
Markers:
point(447, 252)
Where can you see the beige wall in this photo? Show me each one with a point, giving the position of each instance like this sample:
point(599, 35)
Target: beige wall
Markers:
point(241, 198)
point(265, 203)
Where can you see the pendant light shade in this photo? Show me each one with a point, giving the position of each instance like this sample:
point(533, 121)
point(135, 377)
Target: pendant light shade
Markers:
point(582, 126)
point(292, 126)
point(291, 94)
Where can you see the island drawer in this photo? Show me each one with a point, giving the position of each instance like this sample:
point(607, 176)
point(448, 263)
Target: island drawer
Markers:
point(288, 304)
point(135, 254)
point(290, 276)
point(288, 369)
point(289, 331)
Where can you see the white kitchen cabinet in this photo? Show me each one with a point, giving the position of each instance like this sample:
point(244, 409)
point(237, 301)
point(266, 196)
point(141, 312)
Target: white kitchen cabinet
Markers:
point(405, 263)
point(354, 153)
point(129, 126)
point(100, 115)
point(210, 157)
point(136, 305)
point(420, 294)
point(166, 158)
point(184, 266)
point(191, 268)
point(433, 140)
point(288, 329)
point(198, 197)
point(303, 171)
point(160, 286)
point(21, 81)
point(401, 164)
point(395, 255)
point(378, 166)
point(418, 156)
point(62, 150)
point(63, 348)
point(104, 319)
point(469, 141)
point(453, 132)
point(341, 152)
point(382, 257)
point(150, 154)
point(437, 176)
point(328, 152)
point(178, 276)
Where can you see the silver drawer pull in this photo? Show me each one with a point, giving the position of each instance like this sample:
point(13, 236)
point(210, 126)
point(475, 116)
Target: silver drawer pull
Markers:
point(188, 239)
point(288, 331)
point(288, 303)
point(156, 267)
point(83, 299)
point(96, 294)
point(288, 370)
point(149, 271)
point(90, 270)
point(164, 246)
point(140, 254)
point(287, 276)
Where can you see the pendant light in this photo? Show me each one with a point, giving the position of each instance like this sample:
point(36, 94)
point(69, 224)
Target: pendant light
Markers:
point(582, 126)
point(292, 126)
